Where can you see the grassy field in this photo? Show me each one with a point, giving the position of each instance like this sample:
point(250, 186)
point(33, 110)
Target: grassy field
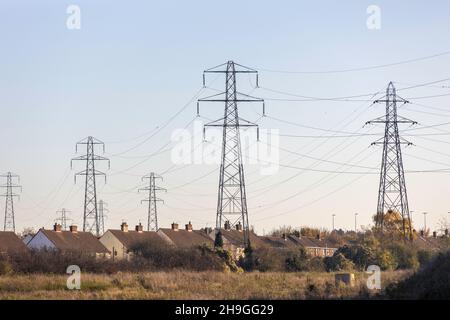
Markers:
point(190, 285)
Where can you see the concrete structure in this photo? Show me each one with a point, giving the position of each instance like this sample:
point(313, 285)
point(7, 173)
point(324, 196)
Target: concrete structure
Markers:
point(72, 240)
point(119, 242)
point(11, 243)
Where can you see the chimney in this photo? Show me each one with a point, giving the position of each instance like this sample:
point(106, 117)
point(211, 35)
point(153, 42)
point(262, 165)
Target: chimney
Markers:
point(318, 236)
point(284, 236)
point(124, 227)
point(57, 227)
point(227, 225)
point(139, 228)
point(434, 234)
point(239, 227)
point(189, 227)
point(175, 226)
point(446, 232)
point(73, 228)
point(422, 233)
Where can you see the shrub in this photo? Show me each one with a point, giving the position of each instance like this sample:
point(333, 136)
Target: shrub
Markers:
point(431, 282)
point(424, 257)
point(386, 260)
point(338, 262)
point(405, 256)
point(360, 255)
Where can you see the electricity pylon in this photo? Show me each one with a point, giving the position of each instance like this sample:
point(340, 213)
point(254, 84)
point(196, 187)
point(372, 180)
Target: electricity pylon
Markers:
point(101, 215)
point(392, 190)
point(152, 219)
point(90, 217)
point(10, 222)
point(63, 218)
point(232, 201)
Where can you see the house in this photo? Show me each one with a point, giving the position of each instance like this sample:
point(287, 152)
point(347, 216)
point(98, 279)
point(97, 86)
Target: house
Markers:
point(119, 242)
point(11, 243)
point(27, 238)
point(72, 240)
point(433, 243)
point(185, 238)
point(233, 239)
point(315, 247)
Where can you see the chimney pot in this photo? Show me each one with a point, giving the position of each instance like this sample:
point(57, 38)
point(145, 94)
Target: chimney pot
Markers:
point(189, 227)
point(73, 228)
point(57, 227)
point(318, 236)
point(434, 234)
point(422, 233)
point(175, 226)
point(139, 228)
point(239, 226)
point(227, 225)
point(124, 227)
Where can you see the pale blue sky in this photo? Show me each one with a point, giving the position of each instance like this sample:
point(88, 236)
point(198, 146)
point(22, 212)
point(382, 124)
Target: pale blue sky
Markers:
point(134, 64)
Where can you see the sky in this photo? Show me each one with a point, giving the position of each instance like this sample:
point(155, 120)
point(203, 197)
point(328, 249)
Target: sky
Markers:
point(131, 74)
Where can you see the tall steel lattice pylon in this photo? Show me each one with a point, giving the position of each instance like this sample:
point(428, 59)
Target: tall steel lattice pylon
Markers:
point(232, 201)
point(102, 210)
point(90, 217)
point(392, 193)
point(10, 222)
point(63, 217)
point(152, 219)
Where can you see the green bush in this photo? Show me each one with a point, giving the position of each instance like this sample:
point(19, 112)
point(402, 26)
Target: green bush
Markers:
point(386, 260)
point(338, 262)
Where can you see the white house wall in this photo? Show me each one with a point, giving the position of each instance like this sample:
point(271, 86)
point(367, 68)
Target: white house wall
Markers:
point(40, 241)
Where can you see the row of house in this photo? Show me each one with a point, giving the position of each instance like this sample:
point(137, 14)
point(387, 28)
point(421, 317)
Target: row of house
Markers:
point(117, 243)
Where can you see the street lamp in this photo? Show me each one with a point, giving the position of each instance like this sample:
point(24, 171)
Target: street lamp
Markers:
point(333, 215)
point(356, 229)
point(425, 221)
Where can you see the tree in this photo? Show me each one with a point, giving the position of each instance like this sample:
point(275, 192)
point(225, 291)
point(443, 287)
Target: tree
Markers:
point(218, 241)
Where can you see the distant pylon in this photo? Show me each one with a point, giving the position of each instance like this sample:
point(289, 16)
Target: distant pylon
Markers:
point(90, 217)
point(232, 201)
point(10, 223)
point(392, 193)
point(101, 215)
point(152, 219)
point(63, 217)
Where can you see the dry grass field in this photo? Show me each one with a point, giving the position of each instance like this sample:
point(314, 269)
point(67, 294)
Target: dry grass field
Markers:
point(191, 285)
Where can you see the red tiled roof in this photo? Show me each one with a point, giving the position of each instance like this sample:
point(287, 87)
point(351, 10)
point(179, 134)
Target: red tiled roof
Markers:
point(186, 239)
point(131, 237)
point(76, 241)
point(10, 242)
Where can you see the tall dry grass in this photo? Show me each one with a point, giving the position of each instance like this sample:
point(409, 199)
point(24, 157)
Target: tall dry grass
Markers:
point(191, 285)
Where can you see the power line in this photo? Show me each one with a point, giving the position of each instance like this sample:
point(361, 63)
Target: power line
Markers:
point(357, 69)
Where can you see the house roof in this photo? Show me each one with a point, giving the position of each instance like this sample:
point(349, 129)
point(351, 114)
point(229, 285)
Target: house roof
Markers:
point(279, 242)
point(236, 238)
point(77, 241)
point(10, 242)
point(185, 239)
point(308, 242)
point(131, 237)
point(429, 243)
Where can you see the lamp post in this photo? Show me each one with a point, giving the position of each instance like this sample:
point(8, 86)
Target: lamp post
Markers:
point(424, 221)
point(332, 223)
point(356, 228)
